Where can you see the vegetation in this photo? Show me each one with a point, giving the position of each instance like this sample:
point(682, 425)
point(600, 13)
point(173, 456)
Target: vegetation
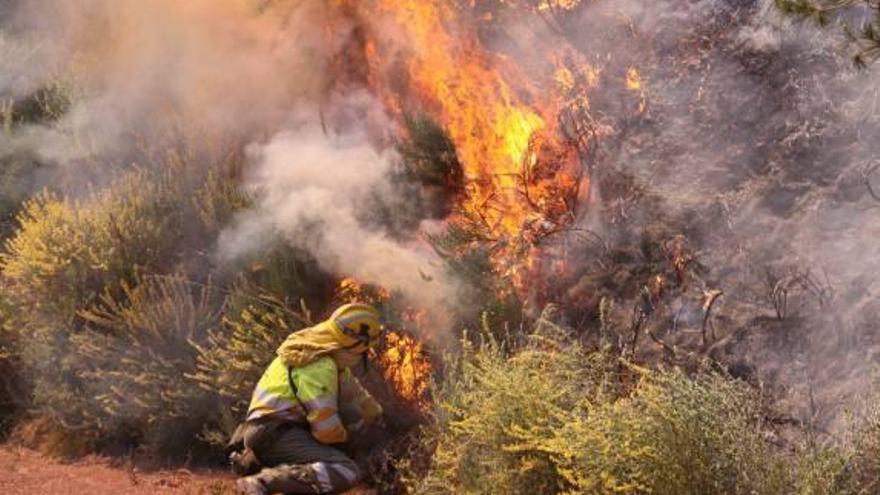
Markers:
point(119, 330)
point(112, 319)
point(860, 20)
point(552, 416)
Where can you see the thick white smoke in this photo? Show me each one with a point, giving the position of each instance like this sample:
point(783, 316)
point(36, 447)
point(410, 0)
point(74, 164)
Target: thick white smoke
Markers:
point(314, 189)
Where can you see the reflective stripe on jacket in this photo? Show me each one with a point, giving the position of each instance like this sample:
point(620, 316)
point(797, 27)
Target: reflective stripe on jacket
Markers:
point(320, 387)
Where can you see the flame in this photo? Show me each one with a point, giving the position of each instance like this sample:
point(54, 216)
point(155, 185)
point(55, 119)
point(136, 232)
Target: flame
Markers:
point(458, 83)
point(402, 359)
point(633, 79)
point(350, 290)
point(424, 57)
point(406, 366)
point(634, 83)
point(558, 4)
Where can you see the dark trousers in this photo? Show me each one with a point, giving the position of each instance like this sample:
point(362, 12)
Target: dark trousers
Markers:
point(294, 462)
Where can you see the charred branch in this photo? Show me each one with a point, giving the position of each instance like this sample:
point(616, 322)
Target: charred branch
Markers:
point(866, 177)
point(709, 299)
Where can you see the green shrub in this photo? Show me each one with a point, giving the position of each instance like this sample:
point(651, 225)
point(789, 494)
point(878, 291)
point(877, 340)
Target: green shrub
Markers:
point(487, 402)
point(234, 356)
point(66, 252)
point(857, 468)
point(217, 201)
point(45, 105)
point(674, 435)
point(71, 261)
point(551, 417)
point(63, 256)
point(865, 464)
point(133, 359)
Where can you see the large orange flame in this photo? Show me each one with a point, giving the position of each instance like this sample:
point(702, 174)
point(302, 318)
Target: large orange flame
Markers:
point(424, 57)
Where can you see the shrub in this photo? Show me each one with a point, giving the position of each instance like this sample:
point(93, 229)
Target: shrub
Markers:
point(133, 358)
point(673, 435)
point(234, 356)
point(65, 252)
point(63, 256)
point(487, 402)
point(550, 417)
point(74, 267)
point(858, 467)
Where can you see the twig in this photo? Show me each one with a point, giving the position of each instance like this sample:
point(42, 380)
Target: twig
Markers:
point(670, 350)
point(303, 319)
point(866, 176)
point(676, 318)
point(711, 296)
point(638, 320)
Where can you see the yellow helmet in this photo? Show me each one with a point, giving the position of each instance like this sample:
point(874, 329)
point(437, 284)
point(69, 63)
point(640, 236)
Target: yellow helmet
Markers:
point(358, 321)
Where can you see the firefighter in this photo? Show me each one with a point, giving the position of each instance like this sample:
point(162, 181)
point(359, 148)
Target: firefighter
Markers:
point(305, 405)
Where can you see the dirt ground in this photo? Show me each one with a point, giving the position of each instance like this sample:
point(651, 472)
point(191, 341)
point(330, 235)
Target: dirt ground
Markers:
point(25, 472)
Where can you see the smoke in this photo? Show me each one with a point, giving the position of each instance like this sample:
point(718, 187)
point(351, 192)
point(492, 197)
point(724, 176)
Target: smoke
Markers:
point(314, 190)
point(753, 146)
point(153, 74)
point(754, 140)
point(144, 70)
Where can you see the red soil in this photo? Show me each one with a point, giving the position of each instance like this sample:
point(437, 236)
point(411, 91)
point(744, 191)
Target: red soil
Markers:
point(25, 472)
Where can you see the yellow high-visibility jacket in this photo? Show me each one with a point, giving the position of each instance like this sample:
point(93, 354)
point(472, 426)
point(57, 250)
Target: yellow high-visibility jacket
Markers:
point(312, 394)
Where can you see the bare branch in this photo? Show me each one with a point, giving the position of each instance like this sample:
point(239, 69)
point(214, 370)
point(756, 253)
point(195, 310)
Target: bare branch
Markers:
point(670, 350)
point(709, 298)
point(866, 176)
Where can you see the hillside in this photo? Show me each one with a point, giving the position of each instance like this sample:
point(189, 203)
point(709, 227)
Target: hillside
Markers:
point(615, 246)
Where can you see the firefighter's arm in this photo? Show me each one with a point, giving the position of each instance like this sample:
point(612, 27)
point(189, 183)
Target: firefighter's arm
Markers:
point(352, 394)
point(317, 388)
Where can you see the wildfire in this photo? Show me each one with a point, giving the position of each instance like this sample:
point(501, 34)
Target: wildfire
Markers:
point(634, 83)
point(519, 172)
point(633, 79)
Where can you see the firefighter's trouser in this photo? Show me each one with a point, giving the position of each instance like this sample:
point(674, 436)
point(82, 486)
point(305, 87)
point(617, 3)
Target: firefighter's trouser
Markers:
point(295, 463)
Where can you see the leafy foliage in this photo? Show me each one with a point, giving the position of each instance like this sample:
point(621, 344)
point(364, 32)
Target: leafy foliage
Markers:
point(551, 417)
point(234, 356)
point(134, 356)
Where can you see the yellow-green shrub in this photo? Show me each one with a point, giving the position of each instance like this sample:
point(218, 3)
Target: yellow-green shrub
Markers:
point(234, 356)
point(71, 260)
point(858, 465)
point(548, 418)
point(65, 252)
point(674, 435)
point(489, 398)
point(134, 355)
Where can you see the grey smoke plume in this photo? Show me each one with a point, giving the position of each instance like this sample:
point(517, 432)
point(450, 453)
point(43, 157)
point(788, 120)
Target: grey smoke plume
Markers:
point(144, 70)
point(756, 137)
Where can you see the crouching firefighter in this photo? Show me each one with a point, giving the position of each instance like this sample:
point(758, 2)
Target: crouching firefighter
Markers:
point(306, 402)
